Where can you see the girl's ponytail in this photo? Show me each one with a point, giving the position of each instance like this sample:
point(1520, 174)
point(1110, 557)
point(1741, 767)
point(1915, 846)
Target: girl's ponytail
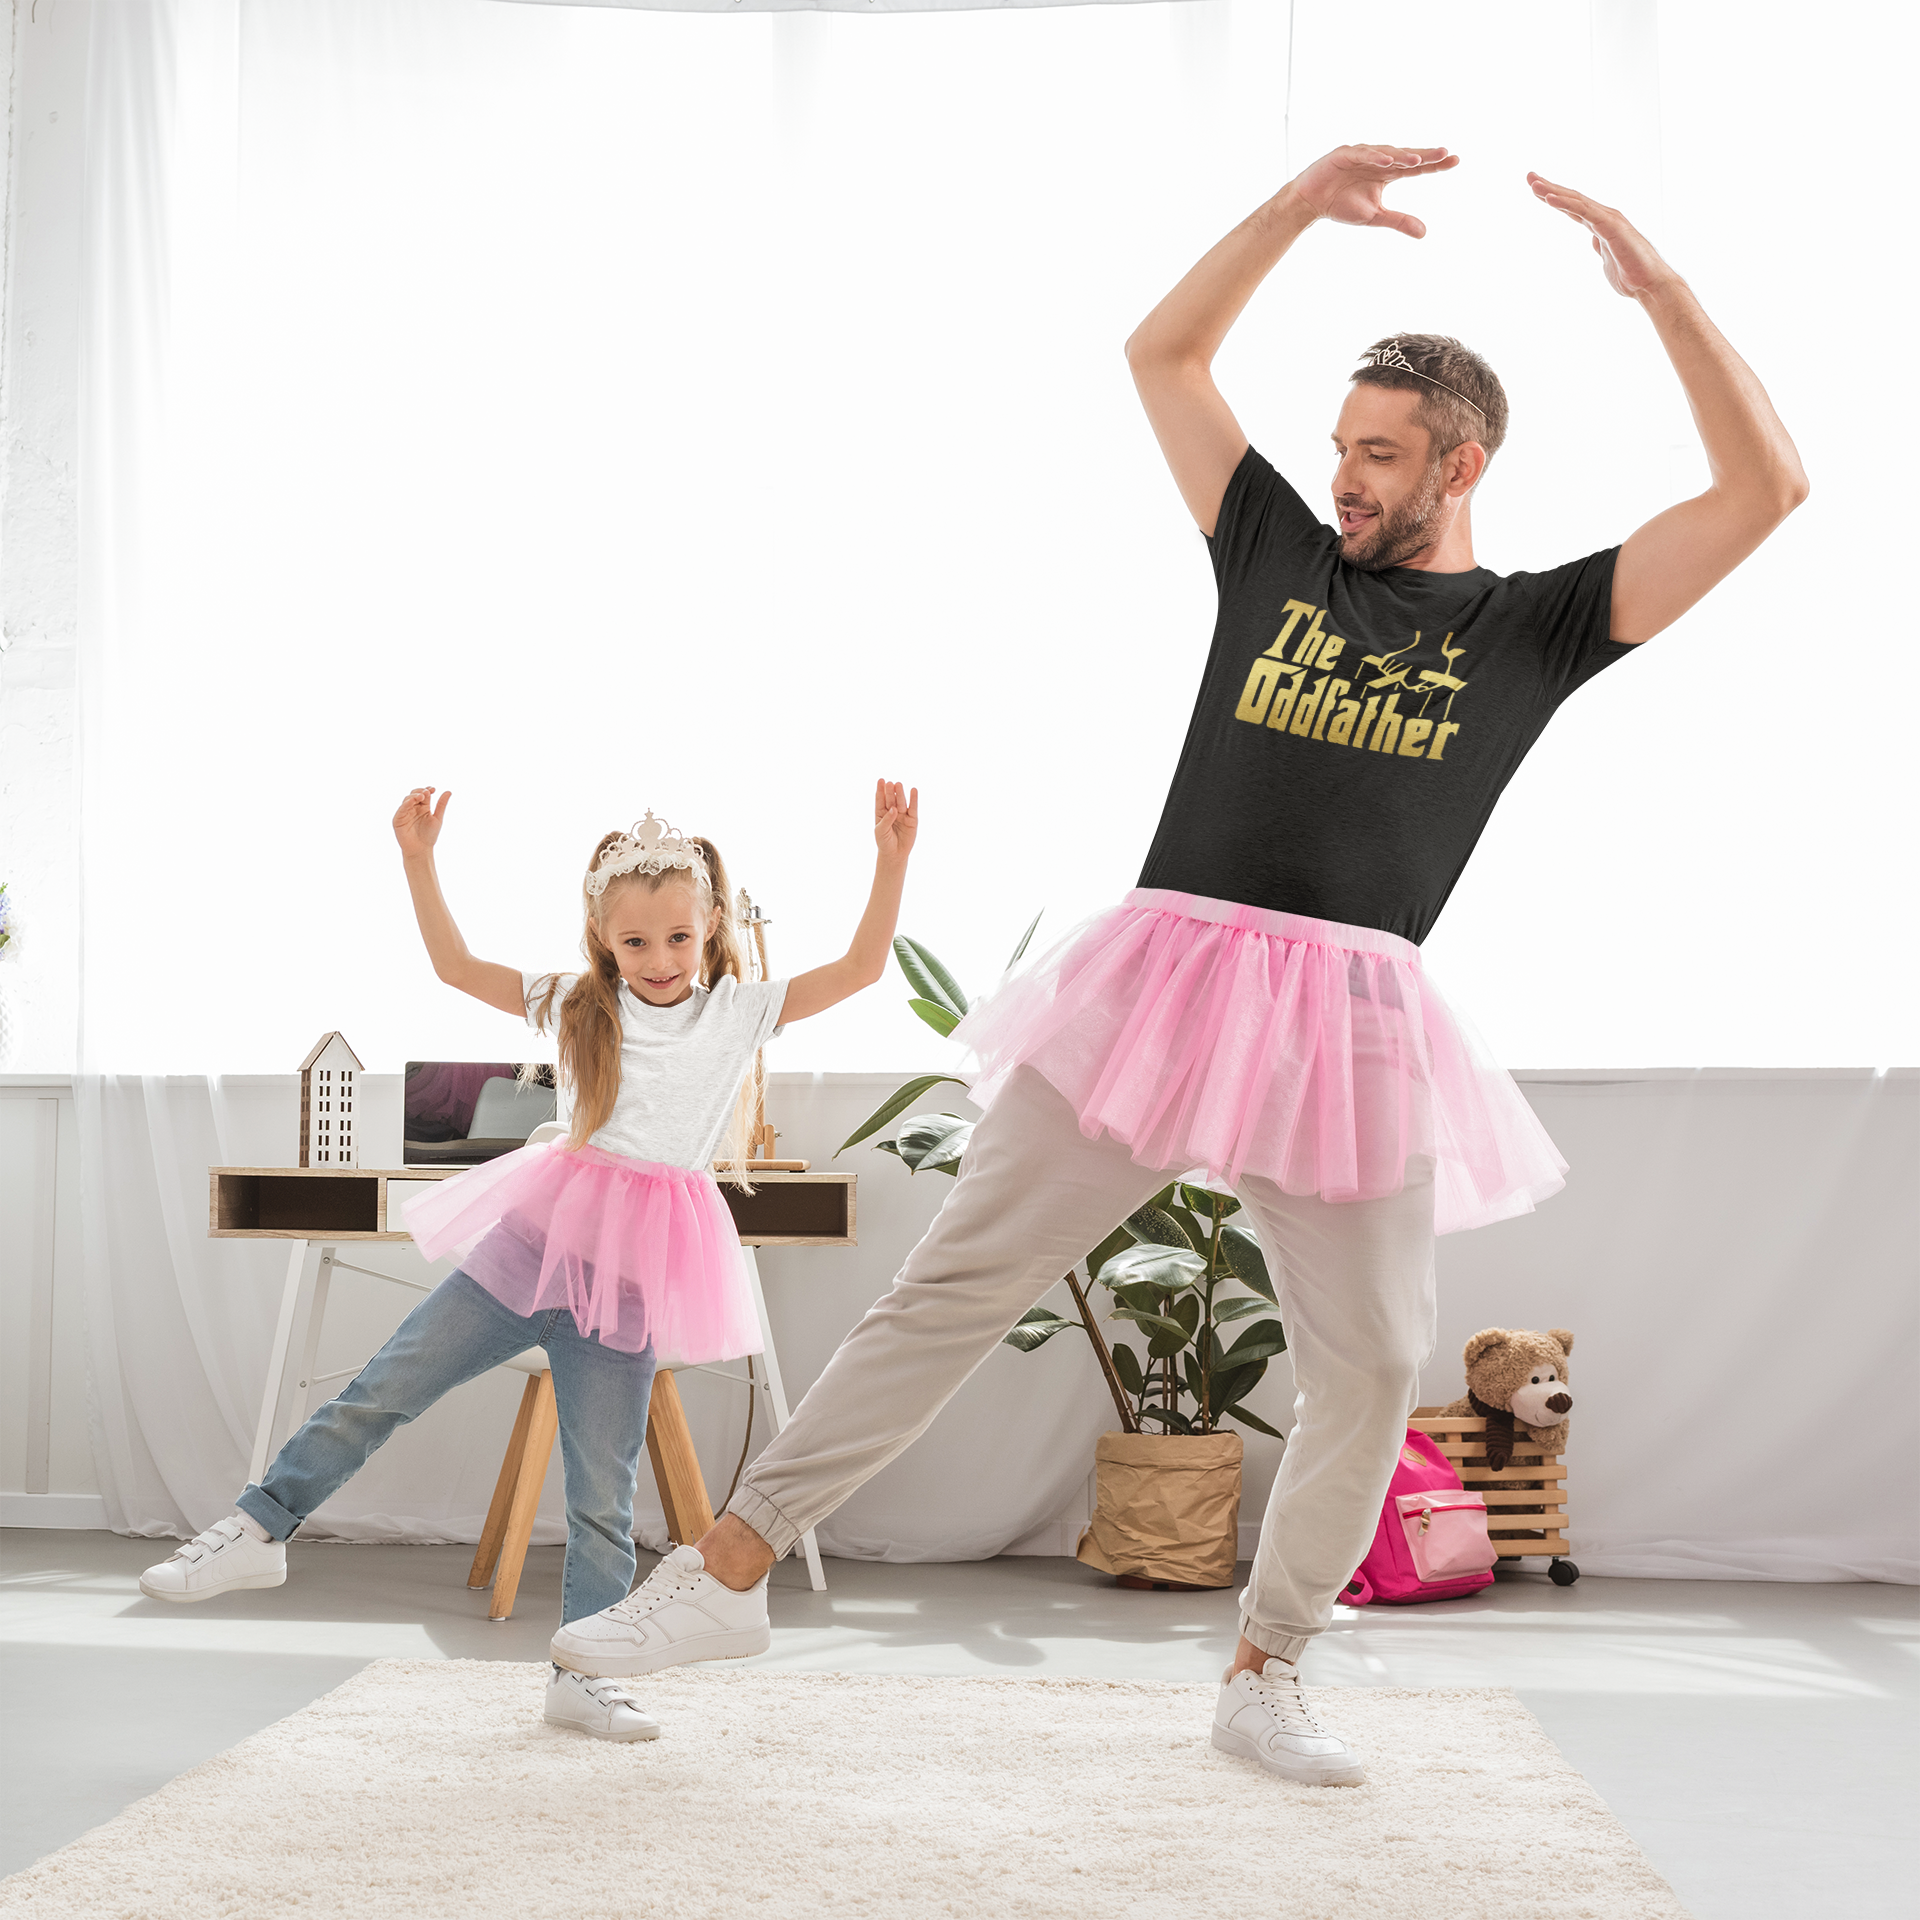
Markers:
point(725, 953)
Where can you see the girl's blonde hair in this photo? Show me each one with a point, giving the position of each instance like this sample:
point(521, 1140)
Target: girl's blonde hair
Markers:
point(589, 1026)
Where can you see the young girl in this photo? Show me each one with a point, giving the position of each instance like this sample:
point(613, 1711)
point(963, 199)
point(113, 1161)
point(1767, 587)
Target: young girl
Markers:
point(611, 1249)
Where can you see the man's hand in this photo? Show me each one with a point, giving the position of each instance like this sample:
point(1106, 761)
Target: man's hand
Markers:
point(1171, 351)
point(417, 823)
point(1632, 266)
point(1345, 185)
point(1680, 555)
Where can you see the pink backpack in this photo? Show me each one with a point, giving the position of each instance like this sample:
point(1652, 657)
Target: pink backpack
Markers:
point(1432, 1541)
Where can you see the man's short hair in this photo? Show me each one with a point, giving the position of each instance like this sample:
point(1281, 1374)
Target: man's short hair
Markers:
point(1451, 370)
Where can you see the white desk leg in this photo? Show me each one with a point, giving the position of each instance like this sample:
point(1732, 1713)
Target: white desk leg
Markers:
point(310, 1345)
point(277, 1361)
point(777, 1393)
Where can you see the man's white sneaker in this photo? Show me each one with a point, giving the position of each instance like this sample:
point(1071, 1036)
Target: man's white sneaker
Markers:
point(224, 1559)
point(679, 1612)
point(1264, 1716)
point(602, 1708)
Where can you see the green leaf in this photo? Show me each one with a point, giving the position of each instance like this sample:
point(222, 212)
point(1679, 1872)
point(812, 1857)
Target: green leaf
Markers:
point(941, 1019)
point(1155, 1226)
point(1216, 1206)
point(932, 1140)
point(1176, 1422)
point(1233, 1384)
point(1261, 1341)
point(1024, 938)
point(1118, 1241)
point(897, 1102)
point(1035, 1328)
point(927, 976)
point(1225, 1310)
point(1187, 1311)
point(1157, 1324)
point(1254, 1421)
point(1141, 1296)
point(1190, 1366)
point(1163, 1346)
point(1249, 1264)
point(1126, 1363)
point(1169, 1268)
point(1199, 1233)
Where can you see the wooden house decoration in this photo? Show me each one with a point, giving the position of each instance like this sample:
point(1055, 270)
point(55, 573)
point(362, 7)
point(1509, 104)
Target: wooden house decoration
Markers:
point(328, 1104)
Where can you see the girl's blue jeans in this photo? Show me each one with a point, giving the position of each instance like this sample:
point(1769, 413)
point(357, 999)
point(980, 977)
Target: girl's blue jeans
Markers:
point(456, 1333)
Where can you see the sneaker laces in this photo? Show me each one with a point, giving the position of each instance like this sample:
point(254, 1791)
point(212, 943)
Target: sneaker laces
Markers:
point(666, 1582)
point(1283, 1698)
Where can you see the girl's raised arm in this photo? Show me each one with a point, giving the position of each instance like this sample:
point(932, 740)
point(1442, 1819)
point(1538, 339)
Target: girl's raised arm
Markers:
point(417, 826)
point(896, 820)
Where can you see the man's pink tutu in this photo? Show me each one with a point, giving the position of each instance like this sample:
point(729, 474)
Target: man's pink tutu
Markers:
point(1203, 1034)
point(637, 1252)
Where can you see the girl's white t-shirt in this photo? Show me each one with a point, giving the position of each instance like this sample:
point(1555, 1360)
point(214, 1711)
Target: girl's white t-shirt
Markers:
point(680, 1067)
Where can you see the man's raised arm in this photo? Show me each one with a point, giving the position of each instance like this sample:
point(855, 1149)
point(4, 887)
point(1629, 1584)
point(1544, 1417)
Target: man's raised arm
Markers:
point(1171, 351)
point(1756, 475)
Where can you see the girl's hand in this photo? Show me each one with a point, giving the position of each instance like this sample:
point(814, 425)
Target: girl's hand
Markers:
point(1631, 265)
point(896, 818)
point(1345, 185)
point(417, 824)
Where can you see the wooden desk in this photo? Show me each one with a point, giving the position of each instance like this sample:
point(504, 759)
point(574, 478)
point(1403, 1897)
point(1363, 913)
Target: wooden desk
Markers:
point(356, 1203)
point(325, 1208)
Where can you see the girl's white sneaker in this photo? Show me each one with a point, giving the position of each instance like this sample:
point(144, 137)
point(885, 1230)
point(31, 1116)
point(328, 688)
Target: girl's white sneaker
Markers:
point(603, 1708)
point(224, 1559)
point(1264, 1716)
point(679, 1612)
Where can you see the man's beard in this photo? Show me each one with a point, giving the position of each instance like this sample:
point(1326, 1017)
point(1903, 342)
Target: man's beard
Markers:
point(1400, 532)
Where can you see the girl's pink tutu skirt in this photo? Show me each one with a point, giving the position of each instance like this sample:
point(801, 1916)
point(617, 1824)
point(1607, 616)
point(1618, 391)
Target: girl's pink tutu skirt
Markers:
point(638, 1253)
point(1202, 1034)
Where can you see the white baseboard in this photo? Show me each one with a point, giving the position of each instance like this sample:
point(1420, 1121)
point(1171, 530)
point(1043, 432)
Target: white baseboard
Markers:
point(73, 1511)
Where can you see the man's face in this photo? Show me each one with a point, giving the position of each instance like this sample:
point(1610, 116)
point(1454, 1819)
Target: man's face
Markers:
point(1390, 494)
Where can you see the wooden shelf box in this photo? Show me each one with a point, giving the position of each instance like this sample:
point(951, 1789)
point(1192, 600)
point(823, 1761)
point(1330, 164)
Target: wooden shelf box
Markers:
point(1526, 1505)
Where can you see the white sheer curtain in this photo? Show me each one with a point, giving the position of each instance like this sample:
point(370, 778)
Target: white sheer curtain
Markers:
point(845, 6)
point(593, 410)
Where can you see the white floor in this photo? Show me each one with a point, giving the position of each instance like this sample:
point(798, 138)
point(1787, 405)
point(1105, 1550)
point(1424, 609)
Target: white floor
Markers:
point(1760, 1741)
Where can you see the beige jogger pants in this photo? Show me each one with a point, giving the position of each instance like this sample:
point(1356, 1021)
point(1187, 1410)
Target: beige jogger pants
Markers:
point(1355, 1286)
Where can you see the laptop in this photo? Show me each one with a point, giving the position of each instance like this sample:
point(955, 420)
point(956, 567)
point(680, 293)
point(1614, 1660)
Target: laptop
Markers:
point(462, 1112)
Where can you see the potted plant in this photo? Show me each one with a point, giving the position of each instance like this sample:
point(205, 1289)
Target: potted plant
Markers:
point(1180, 1270)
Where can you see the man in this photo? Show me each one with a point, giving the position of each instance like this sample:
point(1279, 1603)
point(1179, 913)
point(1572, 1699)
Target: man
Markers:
point(1256, 1006)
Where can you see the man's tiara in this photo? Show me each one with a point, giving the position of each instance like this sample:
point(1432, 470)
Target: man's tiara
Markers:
point(1392, 358)
point(651, 847)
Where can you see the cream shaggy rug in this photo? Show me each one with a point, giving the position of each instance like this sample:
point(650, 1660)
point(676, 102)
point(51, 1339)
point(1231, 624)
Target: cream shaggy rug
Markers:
point(434, 1788)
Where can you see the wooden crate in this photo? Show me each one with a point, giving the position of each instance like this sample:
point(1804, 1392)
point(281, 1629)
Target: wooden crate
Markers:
point(1526, 1506)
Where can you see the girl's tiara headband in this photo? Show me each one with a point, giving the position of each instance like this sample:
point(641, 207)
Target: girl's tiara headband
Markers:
point(1391, 356)
point(652, 847)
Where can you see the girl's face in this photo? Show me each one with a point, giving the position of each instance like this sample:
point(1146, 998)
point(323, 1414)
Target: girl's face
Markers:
point(656, 937)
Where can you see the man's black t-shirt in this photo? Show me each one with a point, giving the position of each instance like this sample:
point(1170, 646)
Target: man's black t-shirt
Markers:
point(1354, 729)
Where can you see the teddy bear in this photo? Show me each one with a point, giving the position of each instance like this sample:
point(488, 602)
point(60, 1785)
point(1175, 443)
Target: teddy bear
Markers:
point(1517, 1383)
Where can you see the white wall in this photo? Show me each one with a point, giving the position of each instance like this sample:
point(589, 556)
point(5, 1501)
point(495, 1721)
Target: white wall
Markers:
point(1725, 1242)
